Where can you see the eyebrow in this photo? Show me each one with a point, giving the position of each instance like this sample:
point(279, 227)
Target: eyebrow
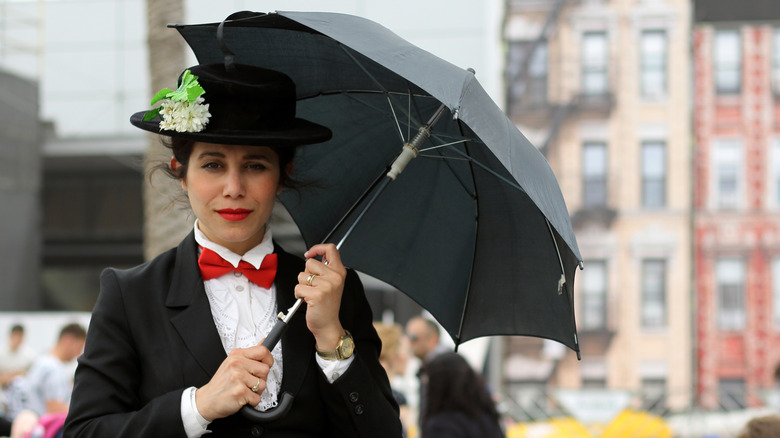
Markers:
point(260, 156)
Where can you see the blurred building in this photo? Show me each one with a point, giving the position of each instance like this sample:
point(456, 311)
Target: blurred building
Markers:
point(21, 139)
point(736, 129)
point(603, 88)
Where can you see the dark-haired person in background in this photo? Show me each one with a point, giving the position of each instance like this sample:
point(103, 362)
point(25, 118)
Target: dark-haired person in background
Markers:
point(458, 402)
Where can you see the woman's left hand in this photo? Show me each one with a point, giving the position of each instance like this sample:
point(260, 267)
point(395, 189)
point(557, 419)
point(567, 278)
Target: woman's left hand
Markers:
point(322, 294)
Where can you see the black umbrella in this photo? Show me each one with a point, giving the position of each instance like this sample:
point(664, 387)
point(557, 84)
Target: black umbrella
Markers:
point(475, 229)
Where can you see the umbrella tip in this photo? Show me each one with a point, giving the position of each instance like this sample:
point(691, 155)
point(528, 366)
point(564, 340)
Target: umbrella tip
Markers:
point(474, 72)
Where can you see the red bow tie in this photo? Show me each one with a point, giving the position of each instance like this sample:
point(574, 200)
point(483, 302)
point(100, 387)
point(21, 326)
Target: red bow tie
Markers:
point(213, 266)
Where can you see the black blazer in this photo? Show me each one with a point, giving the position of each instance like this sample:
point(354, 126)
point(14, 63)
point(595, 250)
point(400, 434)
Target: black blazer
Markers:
point(152, 335)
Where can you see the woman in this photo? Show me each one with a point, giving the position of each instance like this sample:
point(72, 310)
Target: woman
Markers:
point(458, 402)
point(174, 345)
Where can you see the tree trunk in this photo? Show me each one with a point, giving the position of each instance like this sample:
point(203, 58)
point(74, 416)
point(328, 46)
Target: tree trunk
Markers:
point(166, 221)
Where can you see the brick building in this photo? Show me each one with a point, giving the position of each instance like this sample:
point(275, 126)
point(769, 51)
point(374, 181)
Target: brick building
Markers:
point(736, 186)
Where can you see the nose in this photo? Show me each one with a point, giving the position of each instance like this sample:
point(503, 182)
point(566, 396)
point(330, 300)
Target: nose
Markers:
point(234, 184)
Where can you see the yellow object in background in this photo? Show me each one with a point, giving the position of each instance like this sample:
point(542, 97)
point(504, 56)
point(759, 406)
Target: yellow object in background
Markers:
point(634, 424)
point(555, 428)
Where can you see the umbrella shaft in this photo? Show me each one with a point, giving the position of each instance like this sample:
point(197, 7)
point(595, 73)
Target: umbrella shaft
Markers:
point(412, 148)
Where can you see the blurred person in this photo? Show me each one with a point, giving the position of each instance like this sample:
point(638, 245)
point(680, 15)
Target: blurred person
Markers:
point(23, 424)
point(424, 339)
point(17, 358)
point(458, 402)
point(47, 386)
point(762, 427)
point(394, 359)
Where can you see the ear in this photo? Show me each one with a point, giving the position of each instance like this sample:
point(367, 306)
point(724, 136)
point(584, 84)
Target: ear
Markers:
point(176, 169)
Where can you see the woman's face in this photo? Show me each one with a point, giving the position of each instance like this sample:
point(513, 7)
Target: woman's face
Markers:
point(232, 190)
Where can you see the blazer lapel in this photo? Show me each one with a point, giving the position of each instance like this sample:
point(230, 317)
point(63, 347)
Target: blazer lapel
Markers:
point(297, 341)
point(190, 310)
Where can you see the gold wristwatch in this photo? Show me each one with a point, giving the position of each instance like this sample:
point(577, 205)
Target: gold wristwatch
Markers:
point(343, 351)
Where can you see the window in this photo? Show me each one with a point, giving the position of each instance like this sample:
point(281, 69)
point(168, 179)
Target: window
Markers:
point(653, 174)
point(654, 395)
point(594, 296)
point(731, 394)
point(653, 63)
point(776, 61)
point(727, 170)
point(776, 291)
point(595, 55)
point(774, 174)
point(653, 293)
point(529, 87)
point(728, 62)
point(730, 278)
point(594, 174)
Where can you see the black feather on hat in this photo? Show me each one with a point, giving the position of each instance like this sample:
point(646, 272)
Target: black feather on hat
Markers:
point(247, 106)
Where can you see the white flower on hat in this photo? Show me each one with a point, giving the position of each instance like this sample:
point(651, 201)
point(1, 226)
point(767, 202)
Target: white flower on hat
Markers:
point(184, 116)
point(182, 110)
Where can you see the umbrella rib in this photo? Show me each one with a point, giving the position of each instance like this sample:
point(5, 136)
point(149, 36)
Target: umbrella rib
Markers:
point(489, 170)
point(395, 117)
point(381, 87)
point(444, 145)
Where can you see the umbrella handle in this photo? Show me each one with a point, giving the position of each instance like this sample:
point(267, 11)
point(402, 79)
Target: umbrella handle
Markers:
point(270, 415)
point(287, 399)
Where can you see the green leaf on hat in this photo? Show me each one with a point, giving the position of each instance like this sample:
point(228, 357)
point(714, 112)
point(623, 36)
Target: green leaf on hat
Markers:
point(189, 89)
point(151, 114)
point(162, 94)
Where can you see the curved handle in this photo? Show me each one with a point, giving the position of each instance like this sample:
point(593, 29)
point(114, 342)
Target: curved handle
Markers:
point(287, 399)
point(272, 414)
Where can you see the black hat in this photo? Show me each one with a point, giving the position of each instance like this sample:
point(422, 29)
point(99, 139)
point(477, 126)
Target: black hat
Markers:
point(247, 106)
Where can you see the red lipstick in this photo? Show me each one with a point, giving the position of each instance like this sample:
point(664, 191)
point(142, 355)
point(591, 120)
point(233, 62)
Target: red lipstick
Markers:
point(234, 214)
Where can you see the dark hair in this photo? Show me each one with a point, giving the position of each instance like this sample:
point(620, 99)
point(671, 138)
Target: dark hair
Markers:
point(17, 328)
point(454, 386)
point(75, 330)
point(762, 427)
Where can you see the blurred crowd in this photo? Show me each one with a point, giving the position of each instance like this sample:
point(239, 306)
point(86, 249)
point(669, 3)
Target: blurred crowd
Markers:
point(35, 388)
point(439, 393)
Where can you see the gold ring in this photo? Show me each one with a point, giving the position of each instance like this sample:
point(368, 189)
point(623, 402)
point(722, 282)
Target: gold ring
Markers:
point(257, 386)
point(310, 278)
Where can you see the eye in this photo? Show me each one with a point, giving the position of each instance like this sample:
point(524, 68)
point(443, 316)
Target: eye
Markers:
point(257, 166)
point(210, 165)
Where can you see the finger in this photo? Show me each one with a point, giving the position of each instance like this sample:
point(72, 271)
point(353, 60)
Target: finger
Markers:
point(257, 353)
point(328, 252)
point(310, 279)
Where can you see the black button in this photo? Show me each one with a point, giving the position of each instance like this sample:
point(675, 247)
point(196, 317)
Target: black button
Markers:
point(256, 431)
point(353, 397)
point(359, 410)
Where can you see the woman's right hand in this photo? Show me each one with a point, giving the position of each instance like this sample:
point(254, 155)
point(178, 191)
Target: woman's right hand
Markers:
point(231, 386)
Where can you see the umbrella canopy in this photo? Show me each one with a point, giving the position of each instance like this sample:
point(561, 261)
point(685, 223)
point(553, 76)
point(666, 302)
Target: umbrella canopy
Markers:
point(475, 229)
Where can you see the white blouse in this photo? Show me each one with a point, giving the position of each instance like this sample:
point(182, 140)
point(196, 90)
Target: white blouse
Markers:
point(243, 311)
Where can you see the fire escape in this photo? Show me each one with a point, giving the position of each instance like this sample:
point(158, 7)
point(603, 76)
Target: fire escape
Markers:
point(541, 100)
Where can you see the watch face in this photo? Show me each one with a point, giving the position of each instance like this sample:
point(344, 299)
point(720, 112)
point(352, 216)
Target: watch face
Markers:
point(347, 347)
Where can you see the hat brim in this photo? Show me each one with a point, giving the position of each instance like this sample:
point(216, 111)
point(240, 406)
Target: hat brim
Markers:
point(302, 132)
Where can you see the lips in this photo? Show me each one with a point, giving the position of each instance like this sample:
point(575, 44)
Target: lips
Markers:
point(234, 214)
